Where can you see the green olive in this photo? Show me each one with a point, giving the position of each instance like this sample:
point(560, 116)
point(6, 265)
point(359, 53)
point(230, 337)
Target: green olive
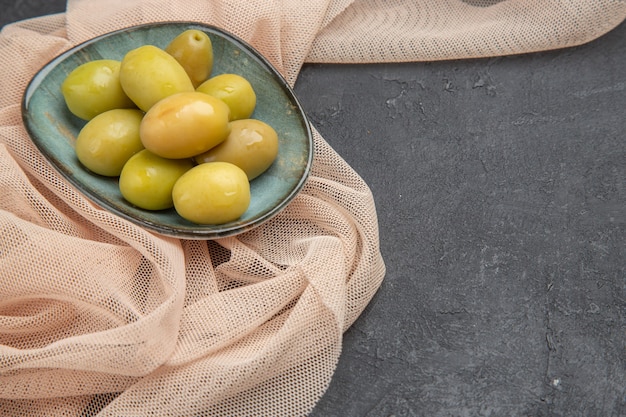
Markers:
point(184, 125)
point(149, 74)
point(252, 145)
point(212, 193)
point(108, 140)
point(235, 91)
point(194, 51)
point(147, 180)
point(93, 88)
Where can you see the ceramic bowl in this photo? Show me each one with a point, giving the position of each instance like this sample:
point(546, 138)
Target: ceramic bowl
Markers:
point(53, 129)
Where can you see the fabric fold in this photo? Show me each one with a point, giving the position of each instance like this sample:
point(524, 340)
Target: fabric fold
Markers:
point(425, 30)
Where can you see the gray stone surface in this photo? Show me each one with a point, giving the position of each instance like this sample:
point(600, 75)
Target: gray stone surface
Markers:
point(500, 187)
point(500, 190)
point(14, 10)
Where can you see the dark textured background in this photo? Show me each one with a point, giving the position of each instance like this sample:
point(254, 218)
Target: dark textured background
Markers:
point(500, 188)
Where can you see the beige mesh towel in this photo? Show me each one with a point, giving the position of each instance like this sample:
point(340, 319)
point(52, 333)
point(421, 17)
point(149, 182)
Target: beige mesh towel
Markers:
point(100, 317)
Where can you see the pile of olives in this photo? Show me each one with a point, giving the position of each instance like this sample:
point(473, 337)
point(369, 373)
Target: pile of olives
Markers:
point(174, 135)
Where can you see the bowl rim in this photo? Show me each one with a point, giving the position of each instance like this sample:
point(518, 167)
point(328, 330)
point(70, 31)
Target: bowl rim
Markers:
point(194, 232)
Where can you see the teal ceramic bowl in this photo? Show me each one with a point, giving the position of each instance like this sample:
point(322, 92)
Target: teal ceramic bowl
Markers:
point(53, 128)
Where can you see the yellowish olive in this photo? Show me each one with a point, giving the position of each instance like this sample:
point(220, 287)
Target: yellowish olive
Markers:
point(212, 193)
point(235, 91)
point(184, 125)
point(252, 145)
point(147, 180)
point(93, 88)
point(194, 51)
point(148, 74)
point(108, 140)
